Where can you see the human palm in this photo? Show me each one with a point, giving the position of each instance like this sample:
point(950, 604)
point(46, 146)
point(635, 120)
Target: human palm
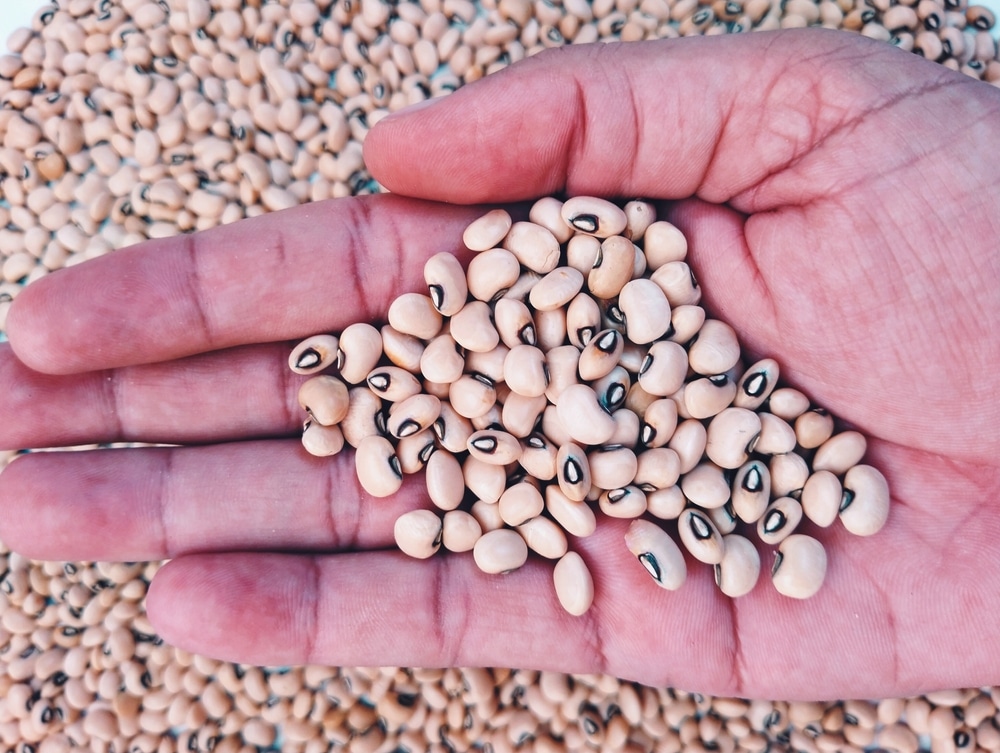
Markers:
point(844, 224)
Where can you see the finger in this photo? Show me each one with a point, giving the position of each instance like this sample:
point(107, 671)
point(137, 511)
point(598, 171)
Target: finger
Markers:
point(188, 400)
point(858, 636)
point(284, 275)
point(721, 118)
point(156, 503)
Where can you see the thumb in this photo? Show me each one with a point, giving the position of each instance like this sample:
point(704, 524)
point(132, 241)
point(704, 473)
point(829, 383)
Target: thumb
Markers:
point(715, 117)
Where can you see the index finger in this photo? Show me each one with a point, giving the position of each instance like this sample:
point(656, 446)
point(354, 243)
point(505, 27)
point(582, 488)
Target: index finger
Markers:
point(313, 268)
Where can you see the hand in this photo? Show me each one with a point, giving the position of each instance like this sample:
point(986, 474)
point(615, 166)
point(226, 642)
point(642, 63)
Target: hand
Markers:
point(845, 222)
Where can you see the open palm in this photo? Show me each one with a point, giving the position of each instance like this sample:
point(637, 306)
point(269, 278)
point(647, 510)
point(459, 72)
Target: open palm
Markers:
point(844, 223)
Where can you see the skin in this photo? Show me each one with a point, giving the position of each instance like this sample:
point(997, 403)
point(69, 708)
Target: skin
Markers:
point(842, 205)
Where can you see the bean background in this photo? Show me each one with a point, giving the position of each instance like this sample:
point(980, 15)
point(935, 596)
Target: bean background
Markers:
point(142, 148)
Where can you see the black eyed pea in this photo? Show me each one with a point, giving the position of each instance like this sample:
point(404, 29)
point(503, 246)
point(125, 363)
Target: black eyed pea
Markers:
point(314, 354)
point(638, 400)
point(715, 350)
point(547, 212)
point(393, 383)
point(361, 419)
point(556, 289)
point(320, 440)
point(658, 423)
point(582, 252)
point(657, 468)
point(460, 531)
point(415, 314)
point(731, 436)
point(446, 283)
point(359, 352)
point(737, 573)
point(473, 329)
point(378, 467)
point(500, 551)
point(544, 537)
point(489, 364)
point(612, 269)
point(445, 480)
point(441, 361)
point(724, 518)
point(706, 486)
point(414, 451)
point(708, 396)
point(520, 414)
point(626, 428)
point(493, 418)
point(787, 403)
point(553, 428)
point(799, 566)
point(751, 491)
point(573, 583)
point(664, 368)
point(612, 466)
point(840, 453)
point(646, 311)
point(404, 351)
point(813, 428)
point(821, 498)
point(612, 389)
point(678, 284)
point(487, 231)
point(573, 471)
point(487, 514)
point(520, 502)
point(418, 533)
point(639, 215)
point(776, 435)
point(325, 399)
point(486, 481)
point(779, 520)
point(600, 355)
point(525, 371)
point(594, 216)
point(756, 384)
point(623, 502)
point(663, 243)
point(666, 504)
point(658, 554)
point(534, 246)
point(583, 320)
point(865, 507)
point(700, 536)
point(472, 395)
point(581, 415)
point(413, 415)
point(788, 474)
point(451, 429)
point(688, 441)
point(520, 289)
point(494, 447)
point(632, 357)
point(576, 517)
point(550, 328)
point(538, 457)
point(685, 323)
point(514, 323)
point(492, 273)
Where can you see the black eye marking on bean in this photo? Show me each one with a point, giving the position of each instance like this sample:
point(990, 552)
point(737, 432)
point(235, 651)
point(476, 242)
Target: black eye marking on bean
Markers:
point(649, 562)
point(699, 527)
point(775, 521)
point(486, 444)
point(572, 471)
point(753, 481)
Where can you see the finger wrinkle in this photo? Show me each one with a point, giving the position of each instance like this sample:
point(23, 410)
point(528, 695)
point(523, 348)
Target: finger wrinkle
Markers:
point(311, 614)
point(192, 245)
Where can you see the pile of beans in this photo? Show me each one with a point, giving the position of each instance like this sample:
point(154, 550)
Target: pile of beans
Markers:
point(122, 120)
point(571, 364)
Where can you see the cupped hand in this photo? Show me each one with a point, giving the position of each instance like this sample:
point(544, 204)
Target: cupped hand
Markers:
point(841, 204)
